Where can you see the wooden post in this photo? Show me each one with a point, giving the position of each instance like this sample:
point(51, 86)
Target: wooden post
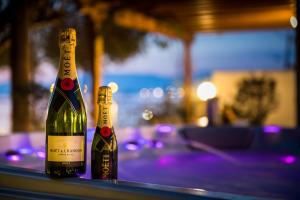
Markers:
point(97, 72)
point(97, 14)
point(297, 67)
point(188, 81)
point(20, 67)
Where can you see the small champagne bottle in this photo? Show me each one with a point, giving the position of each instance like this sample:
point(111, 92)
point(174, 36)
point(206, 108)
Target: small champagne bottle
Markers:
point(104, 151)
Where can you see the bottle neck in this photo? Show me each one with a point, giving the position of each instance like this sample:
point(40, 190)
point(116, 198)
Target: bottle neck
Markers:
point(105, 115)
point(67, 65)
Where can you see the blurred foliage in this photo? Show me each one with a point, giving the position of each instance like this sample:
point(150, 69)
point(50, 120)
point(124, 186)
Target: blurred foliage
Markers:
point(169, 112)
point(46, 18)
point(255, 99)
point(49, 16)
point(44, 43)
point(121, 43)
point(172, 110)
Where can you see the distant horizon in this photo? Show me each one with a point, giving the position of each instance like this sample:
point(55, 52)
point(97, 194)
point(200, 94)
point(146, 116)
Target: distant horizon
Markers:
point(155, 66)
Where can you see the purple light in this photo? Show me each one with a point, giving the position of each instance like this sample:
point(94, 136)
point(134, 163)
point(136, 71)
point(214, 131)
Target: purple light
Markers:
point(164, 128)
point(25, 151)
point(14, 158)
point(289, 159)
point(156, 144)
point(159, 145)
point(41, 154)
point(166, 160)
point(272, 129)
point(131, 146)
point(142, 141)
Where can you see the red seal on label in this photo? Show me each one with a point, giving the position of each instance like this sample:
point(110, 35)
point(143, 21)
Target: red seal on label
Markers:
point(67, 84)
point(105, 131)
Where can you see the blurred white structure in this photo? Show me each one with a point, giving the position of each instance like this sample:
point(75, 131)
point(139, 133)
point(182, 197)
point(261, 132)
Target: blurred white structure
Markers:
point(226, 83)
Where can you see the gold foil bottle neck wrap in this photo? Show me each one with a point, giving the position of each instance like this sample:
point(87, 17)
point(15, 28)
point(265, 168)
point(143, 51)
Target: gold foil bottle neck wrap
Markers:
point(104, 95)
point(67, 36)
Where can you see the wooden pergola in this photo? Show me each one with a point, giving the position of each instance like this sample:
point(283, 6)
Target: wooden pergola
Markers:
point(182, 20)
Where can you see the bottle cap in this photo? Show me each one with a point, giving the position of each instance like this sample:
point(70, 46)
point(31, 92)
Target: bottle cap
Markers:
point(68, 36)
point(104, 95)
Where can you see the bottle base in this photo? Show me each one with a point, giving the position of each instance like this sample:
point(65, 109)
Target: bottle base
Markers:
point(64, 173)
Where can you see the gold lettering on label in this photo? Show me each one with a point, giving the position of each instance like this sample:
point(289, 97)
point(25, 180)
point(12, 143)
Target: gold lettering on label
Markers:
point(105, 165)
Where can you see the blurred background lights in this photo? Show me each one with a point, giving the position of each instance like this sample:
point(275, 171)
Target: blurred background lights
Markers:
point(171, 91)
point(293, 21)
point(206, 90)
point(272, 129)
point(85, 88)
point(202, 121)
point(114, 87)
point(289, 159)
point(25, 150)
point(147, 114)
point(156, 144)
point(158, 92)
point(180, 92)
point(13, 155)
point(14, 158)
point(145, 93)
point(164, 128)
point(132, 145)
point(41, 154)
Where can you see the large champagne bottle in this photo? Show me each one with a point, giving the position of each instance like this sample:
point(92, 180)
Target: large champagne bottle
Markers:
point(104, 158)
point(66, 121)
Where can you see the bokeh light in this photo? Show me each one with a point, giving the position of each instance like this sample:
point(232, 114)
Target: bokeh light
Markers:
point(289, 159)
point(158, 92)
point(41, 154)
point(180, 92)
point(202, 121)
point(85, 88)
point(164, 128)
point(114, 86)
point(206, 90)
point(13, 155)
point(145, 93)
point(171, 91)
point(132, 145)
point(272, 129)
point(156, 144)
point(25, 150)
point(14, 158)
point(294, 21)
point(147, 114)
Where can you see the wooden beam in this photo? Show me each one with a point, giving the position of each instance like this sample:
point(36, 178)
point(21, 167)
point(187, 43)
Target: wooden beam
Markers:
point(97, 72)
point(187, 85)
point(97, 13)
point(139, 21)
point(20, 67)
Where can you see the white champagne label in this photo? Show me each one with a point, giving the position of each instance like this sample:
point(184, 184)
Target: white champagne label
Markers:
point(65, 148)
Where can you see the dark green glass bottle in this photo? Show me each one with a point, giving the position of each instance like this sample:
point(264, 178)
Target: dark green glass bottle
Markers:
point(104, 151)
point(66, 121)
